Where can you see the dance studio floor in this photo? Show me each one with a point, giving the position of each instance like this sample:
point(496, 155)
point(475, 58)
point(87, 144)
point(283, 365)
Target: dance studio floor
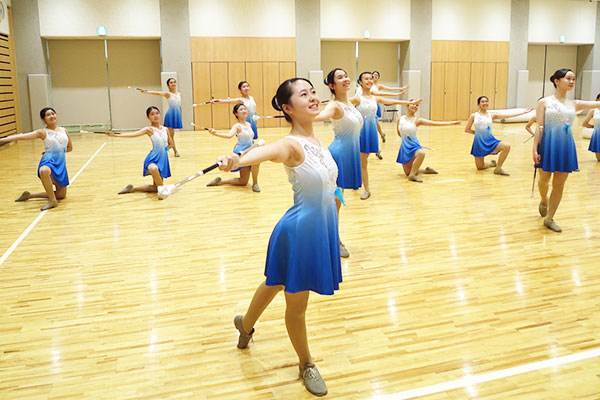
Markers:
point(453, 289)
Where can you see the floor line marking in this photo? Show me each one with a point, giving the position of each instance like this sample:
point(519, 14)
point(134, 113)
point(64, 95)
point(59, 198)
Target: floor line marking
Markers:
point(23, 235)
point(470, 380)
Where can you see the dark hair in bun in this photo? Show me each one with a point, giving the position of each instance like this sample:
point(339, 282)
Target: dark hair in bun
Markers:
point(44, 111)
point(363, 73)
point(329, 79)
point(241, 83)
point(284, 94)
point(149, 110)
point(481, 98)
point(237, 107)
point(559, 74)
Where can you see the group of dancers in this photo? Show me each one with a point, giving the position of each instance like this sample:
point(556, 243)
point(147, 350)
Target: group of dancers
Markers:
point(305, 248)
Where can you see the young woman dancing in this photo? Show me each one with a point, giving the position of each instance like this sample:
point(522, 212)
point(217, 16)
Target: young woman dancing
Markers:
point(157, 161)
point(484, 143)
point(345, 148)
point(411, 154)
point(303, 252)
point(367, 106)
point(243, 130)
point(173, 116)
point(52, 169)
point(248, 101)
point(557, 156)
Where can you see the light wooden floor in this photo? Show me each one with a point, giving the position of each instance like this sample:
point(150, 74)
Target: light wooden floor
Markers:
point(128, 297)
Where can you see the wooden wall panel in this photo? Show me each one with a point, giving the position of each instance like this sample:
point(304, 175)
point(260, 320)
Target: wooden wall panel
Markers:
point(242, 49)
point(468, 51)
point(270, 85)
point(476, 85)
point(450, 90)
point(219, 89)
point(201, 85)
point(489, 83)
point(464, 90)
point(438, 51)
point(501, 85)
point(10, 119)
point(437, 91)
point(237, 73)
point(287, 70)
point(254, 76)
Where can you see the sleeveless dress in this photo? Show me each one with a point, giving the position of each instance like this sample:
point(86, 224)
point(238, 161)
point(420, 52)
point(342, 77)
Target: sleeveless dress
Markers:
point(251, 107)
point(557, 146)
point(369, 138)
point(410, 143)
point(484, 143)
point(56, 142)
point(173, 115)
point(244, 141)
point(595, 140)
point(304, 249)
point(159, 154)
point(345, 148)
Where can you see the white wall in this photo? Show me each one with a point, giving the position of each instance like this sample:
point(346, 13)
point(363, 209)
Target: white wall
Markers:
point(487, 20)
point(4, 22)
point(80, 18)
point(243, 18)
point(386, 19)
point(548, 19)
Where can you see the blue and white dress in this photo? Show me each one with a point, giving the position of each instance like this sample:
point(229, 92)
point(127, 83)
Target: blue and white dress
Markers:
point(410, 143)
point(244, 141)
point(173, 115)
point(56, 142)
point(251, 107)
point(369, 139)
point(159, 154)
point(484, 143)
point(304, 249)
point(595, 140)
point(345, 148)
point(557, 146)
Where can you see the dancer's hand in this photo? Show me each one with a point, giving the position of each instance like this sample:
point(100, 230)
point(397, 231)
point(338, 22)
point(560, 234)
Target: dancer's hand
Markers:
point(536, 157)
point(229, 162)
point(111, 133)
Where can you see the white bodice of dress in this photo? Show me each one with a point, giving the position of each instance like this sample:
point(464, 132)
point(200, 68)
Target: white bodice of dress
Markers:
point(407, 127)
point(559, 113)
point(351, 122)
point(367, 107)
point(313, 181)
point(174, 100)
point(246, 135)
point(482, 122)
point(250, 105)
point(159, 138)
point(56, 139)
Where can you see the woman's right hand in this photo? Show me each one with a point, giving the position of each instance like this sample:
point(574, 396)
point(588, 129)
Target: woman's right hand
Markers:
point(110, 133)
point(212, 131)
point(536, 157)
point(144, 90)
point(229, 162)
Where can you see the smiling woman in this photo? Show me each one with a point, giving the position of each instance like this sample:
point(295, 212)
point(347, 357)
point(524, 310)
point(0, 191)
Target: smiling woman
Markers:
point(303, 253)
point(52, 169)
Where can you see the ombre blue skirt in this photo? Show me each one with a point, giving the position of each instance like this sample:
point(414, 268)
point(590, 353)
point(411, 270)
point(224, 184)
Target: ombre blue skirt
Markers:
point(346, 154)
point(557, 149)
point(173, 118)
point(57, 162)
point(160, 157)
point(304, 250)
point(369, 138)
point(595, 140)
point(408, 148)
point(484, 143)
